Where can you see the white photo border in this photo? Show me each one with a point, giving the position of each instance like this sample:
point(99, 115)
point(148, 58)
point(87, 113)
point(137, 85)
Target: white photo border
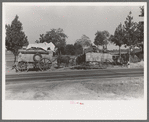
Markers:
point(59, 110)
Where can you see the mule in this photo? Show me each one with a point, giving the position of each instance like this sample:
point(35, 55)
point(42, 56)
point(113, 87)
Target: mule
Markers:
point(63, 59)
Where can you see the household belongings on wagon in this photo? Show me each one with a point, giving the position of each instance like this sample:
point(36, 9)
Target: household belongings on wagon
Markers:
point(91, 49)
point(45, 46)
point(98, 57)
point(94, 55)
point(37, 55)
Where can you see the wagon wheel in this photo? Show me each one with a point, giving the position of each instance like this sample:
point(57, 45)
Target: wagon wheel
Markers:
point(45, 64)
point(22, 65)
point(37, 57)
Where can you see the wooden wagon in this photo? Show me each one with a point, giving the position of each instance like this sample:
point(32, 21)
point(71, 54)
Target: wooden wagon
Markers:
point(36, 58)
point(101, 59)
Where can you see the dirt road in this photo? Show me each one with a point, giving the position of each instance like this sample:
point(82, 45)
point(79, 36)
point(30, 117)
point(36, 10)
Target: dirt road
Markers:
point(85, 89)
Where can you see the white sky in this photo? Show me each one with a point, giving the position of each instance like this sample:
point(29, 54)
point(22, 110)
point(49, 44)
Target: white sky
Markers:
point(74, 20)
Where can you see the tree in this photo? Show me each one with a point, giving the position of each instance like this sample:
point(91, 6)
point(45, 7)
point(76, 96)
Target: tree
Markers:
point(118, 38)
point(140, 30)
point(42, 38)
point(57, 37)
point(84, 41)
point(78, 49)
point(130, 28)
point(69, 49)
point(142, 10)
point(107, 36)
point(101, 38)
point(15, 37)
point(130, 35)
point(37, 41)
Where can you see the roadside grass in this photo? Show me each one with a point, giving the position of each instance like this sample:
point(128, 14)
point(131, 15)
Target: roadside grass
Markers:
point(127, 87)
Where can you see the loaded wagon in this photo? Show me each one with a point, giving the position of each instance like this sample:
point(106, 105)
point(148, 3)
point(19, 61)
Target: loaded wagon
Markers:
point(101, 59)
point(93, 55)
point(38, 56)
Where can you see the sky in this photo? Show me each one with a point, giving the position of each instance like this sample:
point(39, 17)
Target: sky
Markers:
point(75, 20)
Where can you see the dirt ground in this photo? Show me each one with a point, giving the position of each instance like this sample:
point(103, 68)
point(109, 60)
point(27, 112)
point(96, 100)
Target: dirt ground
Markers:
point(95, 89)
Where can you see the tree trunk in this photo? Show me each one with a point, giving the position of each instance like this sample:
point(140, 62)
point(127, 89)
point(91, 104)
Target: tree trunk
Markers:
point(15, 53)
point(120, 51)
point(99, 48)
point(15, 57)
point(129, 54)
point(59, 52)
point(103, 48)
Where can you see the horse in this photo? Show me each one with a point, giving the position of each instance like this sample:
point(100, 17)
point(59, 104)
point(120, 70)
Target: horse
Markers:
point(80, 59)
point(63, 59)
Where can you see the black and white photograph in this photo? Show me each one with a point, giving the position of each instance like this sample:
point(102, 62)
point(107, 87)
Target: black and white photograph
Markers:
point(78, 60)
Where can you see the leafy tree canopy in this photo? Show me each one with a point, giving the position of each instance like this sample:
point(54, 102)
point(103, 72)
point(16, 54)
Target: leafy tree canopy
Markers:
point(84, 41)
point(118, 37)
point(130, 28)
point(140, 30)
point(78, 49)
point(37, 41)
point(101, 38)
point(15, 37)
point(140, 27)
point(56, 36)
point(70, 49)
point(142, 10)
point(140, 33)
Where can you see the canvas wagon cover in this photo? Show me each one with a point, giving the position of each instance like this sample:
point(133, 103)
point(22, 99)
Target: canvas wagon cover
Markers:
point(44, 46)
point(98, 57)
